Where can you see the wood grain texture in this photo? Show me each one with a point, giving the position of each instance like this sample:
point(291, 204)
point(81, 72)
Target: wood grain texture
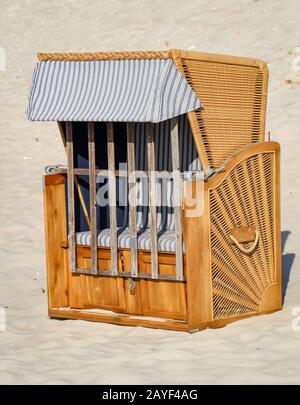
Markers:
point(177, 200)
point(112, 198)
point(198, 264)
point(55, 232)
point(277, 234)
point(120, 319)
point(92, 185)
point(132, 197)
point(152, 198)
point(71, 201)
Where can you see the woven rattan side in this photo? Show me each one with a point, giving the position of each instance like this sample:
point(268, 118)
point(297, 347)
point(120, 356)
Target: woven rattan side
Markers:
point(246, 197)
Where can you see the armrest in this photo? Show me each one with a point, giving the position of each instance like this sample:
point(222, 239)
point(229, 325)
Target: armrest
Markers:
point(242, 154)
point(233, 249)
point(245, 195)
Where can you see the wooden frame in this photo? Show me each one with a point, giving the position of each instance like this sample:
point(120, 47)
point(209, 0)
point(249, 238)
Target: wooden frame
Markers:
point(112, 198)
point(71, 208)
point(177, 198)
point(152, 199)
point(92, 182)
point(231, 266)
point(197, 308)
point(91, 217)
point(132, 193)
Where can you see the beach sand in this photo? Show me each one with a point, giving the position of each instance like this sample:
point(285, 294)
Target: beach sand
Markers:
point(34, 349)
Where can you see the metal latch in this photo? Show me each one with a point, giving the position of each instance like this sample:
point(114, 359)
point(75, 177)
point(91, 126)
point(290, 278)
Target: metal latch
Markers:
point(131, 286)
point(64, 244)
point(122, 263)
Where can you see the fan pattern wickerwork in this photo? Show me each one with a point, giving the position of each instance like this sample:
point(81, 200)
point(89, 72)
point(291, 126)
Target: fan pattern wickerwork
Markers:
point(234, 103)
point(244, 198)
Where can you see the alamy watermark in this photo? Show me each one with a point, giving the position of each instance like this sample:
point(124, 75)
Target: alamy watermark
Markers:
point(296, 60)
point(2, 320)
point(293, 76)
point(296, 320)
point(170, 191)
point(2, 60)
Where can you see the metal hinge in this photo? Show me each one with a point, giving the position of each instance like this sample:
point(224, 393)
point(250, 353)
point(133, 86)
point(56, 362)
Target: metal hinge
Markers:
point(64, 244)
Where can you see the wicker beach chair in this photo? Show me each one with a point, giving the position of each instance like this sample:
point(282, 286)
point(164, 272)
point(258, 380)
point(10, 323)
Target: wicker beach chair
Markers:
point(167, 214)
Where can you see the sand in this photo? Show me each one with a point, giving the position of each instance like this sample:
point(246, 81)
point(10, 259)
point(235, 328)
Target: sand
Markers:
point(34, 349)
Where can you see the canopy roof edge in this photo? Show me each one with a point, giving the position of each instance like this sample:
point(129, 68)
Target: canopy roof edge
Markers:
point(145, 87)
point(86, 56)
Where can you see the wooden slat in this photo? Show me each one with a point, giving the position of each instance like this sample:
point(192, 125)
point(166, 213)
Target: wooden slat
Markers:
point(127, 274)
point(152, 199)
point(55, 232)
point(112, 198)
point(71, 214)
point(92, 181)
point(197, 255)
point(120, 319)
point(177, 197)
point(132, 200)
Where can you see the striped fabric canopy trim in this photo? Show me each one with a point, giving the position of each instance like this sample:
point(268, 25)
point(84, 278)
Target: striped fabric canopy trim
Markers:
point(109, 90)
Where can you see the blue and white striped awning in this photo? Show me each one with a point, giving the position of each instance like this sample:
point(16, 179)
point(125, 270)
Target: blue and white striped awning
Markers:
point(109, 90)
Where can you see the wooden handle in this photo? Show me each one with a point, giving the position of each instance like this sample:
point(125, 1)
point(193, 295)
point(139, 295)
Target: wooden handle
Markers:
point(241, 247)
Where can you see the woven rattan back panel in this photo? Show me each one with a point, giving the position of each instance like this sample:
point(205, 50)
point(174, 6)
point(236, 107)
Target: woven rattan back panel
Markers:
point(233, 91)
point(244, 198)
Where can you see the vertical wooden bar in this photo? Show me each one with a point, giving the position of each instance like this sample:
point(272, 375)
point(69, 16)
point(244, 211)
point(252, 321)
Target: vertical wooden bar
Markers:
point(177, 197)
point(198, 260)
point(112, 198)
point(61, 131)
point(78, 188)
point(132, 199)
point(92, 182)
point(55, 232)
point(71, 207)
point(277, 229)
point(152, 198)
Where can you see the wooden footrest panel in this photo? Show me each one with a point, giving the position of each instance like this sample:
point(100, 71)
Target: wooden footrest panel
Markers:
point(119, 319)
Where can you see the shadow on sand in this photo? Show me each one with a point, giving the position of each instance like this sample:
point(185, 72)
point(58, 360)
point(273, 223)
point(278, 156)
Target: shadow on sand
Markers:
point(287, 260)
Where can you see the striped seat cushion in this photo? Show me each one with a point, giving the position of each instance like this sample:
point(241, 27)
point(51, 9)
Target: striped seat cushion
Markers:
point(166, 239)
